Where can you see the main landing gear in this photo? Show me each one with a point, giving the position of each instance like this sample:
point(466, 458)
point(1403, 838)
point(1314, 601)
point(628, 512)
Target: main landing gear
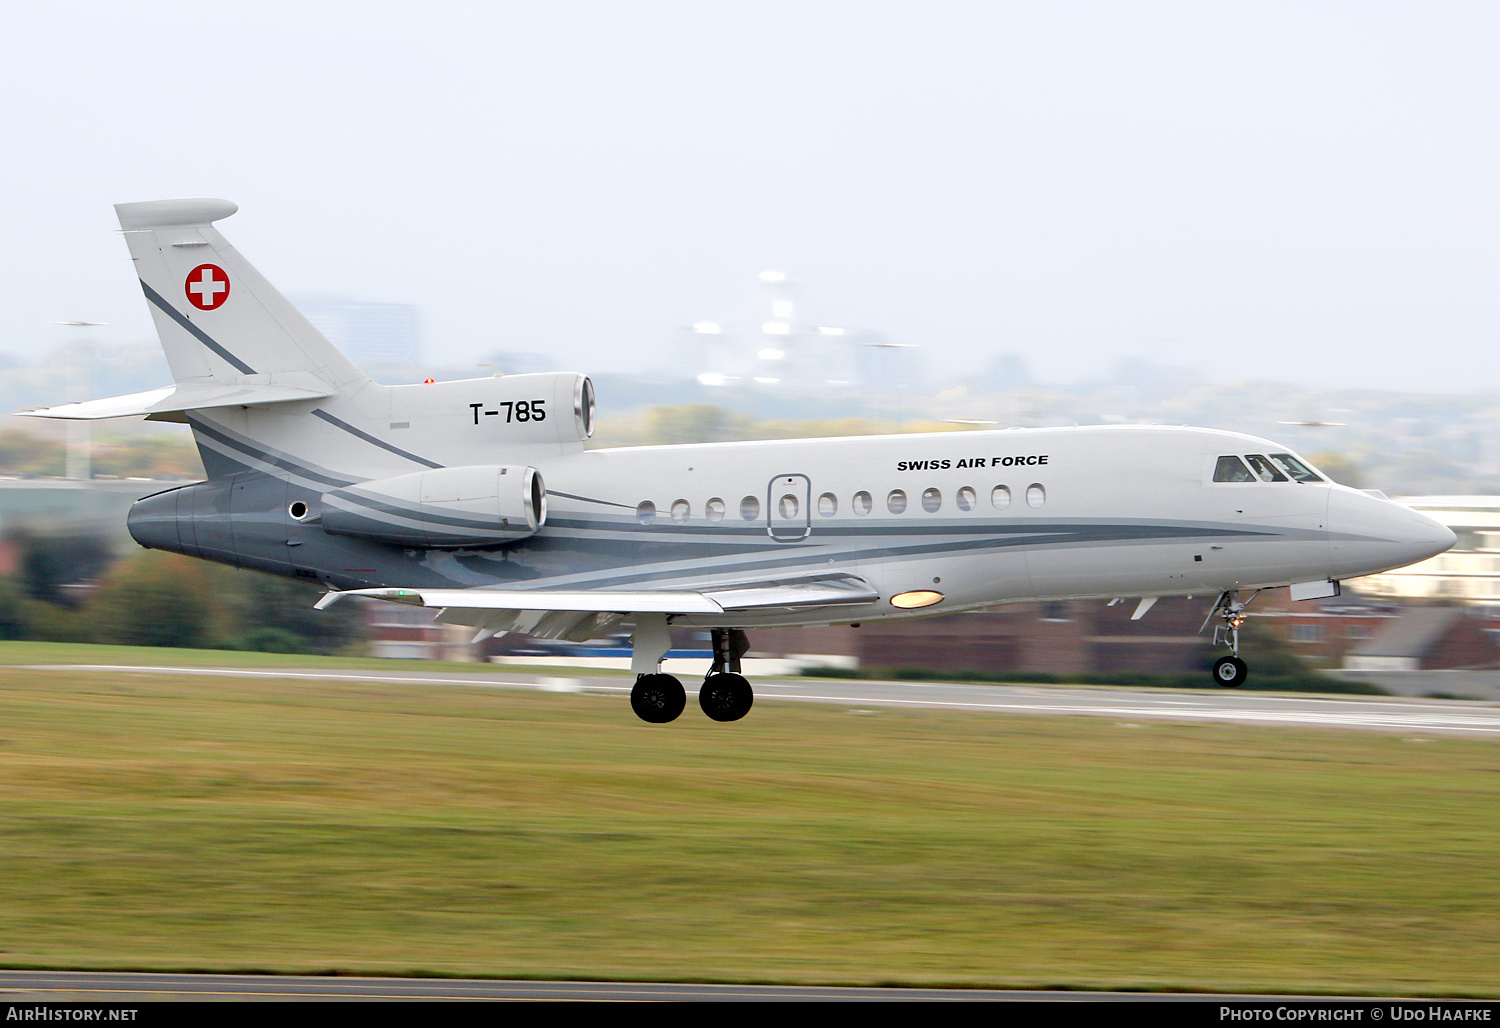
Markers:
point(1230, 671)
point(658, 698)
point(726, 695)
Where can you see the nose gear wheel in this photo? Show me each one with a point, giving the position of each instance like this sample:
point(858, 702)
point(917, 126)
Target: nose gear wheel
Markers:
point(1230, 671)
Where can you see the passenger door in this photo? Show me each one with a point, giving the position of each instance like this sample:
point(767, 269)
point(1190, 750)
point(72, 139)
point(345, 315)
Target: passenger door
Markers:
point(789, 508)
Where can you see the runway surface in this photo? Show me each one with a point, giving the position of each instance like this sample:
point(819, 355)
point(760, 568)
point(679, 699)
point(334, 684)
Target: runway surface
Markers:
point(125, 987)
point(1379, 713)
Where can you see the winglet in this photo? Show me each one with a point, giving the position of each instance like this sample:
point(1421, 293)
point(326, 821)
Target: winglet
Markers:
point(328, 599)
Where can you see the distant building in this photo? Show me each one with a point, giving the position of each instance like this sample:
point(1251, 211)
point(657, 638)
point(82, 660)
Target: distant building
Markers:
point(367, 333)
point(1060, 638)
point(1469, 573)
point(1427, 639)
point(404, 632)
point(1323, 632)
point(774, 341)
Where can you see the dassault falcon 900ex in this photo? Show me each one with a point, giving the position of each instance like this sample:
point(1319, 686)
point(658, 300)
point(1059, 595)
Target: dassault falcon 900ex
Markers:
point(479, 498)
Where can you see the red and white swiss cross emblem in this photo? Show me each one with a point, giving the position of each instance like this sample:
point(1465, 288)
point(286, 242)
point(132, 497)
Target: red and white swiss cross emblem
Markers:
point(207, 287)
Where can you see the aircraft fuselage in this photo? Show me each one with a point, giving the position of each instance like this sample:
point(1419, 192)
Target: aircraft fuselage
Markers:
point(976, 517)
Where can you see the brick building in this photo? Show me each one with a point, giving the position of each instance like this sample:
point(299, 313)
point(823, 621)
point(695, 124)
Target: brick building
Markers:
point(1054, 638)
point(1427, 639)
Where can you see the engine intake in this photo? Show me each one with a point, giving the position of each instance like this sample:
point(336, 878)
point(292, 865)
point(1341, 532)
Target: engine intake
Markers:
point(449, 508)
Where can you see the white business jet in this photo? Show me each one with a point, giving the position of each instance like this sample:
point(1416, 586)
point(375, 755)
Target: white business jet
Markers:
point(478, 498)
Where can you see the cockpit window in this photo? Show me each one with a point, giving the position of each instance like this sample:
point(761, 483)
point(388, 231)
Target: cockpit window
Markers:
point(1264, 468)
point(1292, 466)
point(1232, 469)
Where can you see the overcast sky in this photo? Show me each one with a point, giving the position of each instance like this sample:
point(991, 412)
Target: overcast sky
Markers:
point(1304, 191)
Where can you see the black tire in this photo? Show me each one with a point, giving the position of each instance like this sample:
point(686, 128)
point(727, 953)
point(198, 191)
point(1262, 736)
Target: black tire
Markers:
point(726, 696)
point(657, 698)
point(1230, 672)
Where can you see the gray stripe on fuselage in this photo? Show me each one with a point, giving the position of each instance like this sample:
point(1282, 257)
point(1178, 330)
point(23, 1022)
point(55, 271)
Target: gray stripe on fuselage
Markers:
point(802, 555)
point(360, 433)
point(360, 502)
point(589, 499)
point(1094, 529)
point(193, 330)
point(249, 449)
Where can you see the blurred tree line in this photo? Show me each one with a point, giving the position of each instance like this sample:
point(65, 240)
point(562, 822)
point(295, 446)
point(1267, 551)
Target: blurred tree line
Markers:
point(706, 423)
point(136, 456)
point(71, 589)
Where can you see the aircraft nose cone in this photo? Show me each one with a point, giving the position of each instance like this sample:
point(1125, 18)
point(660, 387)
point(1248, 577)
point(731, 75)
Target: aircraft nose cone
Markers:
point(1369, 534)
point(1429, 537)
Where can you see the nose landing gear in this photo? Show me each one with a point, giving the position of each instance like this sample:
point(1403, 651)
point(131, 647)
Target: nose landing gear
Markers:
point(1230, 671)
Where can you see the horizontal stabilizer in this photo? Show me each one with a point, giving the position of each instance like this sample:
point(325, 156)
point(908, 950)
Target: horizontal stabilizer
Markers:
point(176, 399)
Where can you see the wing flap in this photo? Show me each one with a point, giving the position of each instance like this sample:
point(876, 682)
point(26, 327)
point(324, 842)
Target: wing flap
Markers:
point(592, 600)
point(821, 591)
point(583, 614)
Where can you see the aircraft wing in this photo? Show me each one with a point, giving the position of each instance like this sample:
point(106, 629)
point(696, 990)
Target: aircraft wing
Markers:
point(169, 400)
point(583, 614)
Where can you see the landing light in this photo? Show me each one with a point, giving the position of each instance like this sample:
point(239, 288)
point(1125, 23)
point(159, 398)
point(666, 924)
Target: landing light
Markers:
point(916, 598)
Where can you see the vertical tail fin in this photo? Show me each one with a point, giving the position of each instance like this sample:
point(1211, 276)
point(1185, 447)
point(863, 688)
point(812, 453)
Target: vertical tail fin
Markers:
point(219, 319)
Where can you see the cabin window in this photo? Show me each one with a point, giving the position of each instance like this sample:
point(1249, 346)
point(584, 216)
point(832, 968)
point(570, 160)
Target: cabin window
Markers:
point(863, 503)
point(932, 500)
point(1292, 466)
point(1000, 497)
point(750, 508)
point(714, 509)
point(681, 511)
point(828, 505)
point(645, 512)
point(1036, 494)
point(787, 507)
point(896, 502)
point(1232, 469)
point(966, 498)
point(1264, 468)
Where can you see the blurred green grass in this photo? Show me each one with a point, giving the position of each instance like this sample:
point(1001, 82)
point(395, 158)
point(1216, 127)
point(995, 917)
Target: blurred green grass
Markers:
point(306, 826)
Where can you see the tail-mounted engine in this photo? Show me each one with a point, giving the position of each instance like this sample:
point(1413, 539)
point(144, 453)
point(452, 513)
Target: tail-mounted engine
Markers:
point(452, 508)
